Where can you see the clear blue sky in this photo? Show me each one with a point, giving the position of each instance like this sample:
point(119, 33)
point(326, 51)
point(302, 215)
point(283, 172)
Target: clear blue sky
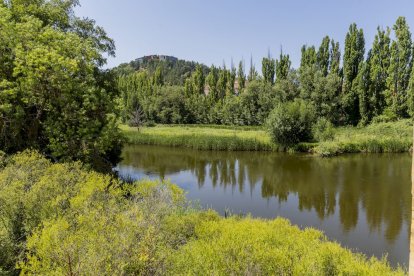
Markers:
point(213, 31)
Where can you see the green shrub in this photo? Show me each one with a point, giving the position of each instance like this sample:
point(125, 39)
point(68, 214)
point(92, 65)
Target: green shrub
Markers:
point(323, 130)
point(291, 123)
point(61, 219)
point(150, 124)
point(261, 247)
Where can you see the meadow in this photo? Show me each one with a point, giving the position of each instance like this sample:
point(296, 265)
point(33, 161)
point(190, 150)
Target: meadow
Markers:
point(391, 137)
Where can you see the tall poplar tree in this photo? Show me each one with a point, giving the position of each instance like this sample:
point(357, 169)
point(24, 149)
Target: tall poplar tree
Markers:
point(308, 57)
point(241, 77)
point(322, 56)
point(282, 67)
point(212, 79)
point(362, 85)
point(268, 70)
point(231, 79)
point(335, 58)
point(411, 95)
point(252, 71)
point(400, 69)
point(222, 82)
point(198, 80)
point(380, 62)
point(353, 56)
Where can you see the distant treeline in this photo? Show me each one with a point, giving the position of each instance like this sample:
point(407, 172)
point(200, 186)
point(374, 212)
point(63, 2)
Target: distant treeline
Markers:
point(174, 71)
point(349, 88)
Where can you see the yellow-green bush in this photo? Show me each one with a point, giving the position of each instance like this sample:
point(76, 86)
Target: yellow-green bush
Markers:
point(61, 219)
point(262, 247)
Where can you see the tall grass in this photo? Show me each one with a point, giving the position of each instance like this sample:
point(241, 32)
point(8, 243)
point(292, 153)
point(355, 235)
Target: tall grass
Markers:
point(202, 137)
point(389, 137)
point(392, 137)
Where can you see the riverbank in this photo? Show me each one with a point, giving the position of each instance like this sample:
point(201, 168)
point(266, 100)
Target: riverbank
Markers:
point(389, 137)
point(98, 224)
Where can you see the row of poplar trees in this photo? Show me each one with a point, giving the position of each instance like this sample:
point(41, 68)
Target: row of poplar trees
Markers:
point(348, 89)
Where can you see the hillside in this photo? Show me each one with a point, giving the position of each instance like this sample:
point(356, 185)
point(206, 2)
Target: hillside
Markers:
point(175, 71)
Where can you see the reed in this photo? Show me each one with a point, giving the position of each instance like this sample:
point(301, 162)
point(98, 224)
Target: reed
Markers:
point(392, 137)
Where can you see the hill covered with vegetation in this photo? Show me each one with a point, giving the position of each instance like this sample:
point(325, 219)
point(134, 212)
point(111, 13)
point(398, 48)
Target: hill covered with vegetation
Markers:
point(174, 71)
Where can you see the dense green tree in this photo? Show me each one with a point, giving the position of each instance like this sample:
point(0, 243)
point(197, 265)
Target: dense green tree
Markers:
point(282, 67)
point(287, 89)
point(291, 123)
point(379, 66)
point(54, 94)
point(400, 69)
point(241, 77)
point(212, 79)
point(158, 78)
point(222, 83)
point(411, 95)
point(363, 84)
point(256, 102)
point(353, 56)
point(188, 87)
point(252, 71)
point(199, 80)
point(268, 70)
point(195, 83)
point(231, 79)
point(308, 58)
point(323, 56)
point(335, 58)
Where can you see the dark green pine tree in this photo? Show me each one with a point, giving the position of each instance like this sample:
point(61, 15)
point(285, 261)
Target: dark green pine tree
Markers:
point(380, 63)
point(399, 70)
point(323, 55)
point(353, 56)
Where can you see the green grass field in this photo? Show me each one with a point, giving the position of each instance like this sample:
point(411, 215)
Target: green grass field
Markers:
point(375, 138)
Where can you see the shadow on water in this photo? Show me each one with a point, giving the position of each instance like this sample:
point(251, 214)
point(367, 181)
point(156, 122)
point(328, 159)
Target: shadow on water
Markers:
point(362, 201)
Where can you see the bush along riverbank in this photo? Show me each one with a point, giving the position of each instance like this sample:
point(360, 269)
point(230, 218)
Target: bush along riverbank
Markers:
point(390, 137)
point(72, 221)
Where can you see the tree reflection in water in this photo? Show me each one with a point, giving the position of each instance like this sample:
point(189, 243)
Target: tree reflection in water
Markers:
point(378, 185)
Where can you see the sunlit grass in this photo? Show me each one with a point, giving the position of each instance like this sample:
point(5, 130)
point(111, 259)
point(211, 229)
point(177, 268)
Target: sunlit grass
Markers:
point(202, 137)
point(375, 138)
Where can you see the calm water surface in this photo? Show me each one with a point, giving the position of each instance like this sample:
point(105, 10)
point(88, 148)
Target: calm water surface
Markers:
point(361, 201)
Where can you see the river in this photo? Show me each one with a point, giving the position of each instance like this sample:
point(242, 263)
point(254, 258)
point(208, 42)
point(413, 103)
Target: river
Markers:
point(362, 201)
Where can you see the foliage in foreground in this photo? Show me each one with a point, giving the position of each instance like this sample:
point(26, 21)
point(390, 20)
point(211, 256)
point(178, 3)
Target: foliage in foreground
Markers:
point(61, 219)
point(54, 95)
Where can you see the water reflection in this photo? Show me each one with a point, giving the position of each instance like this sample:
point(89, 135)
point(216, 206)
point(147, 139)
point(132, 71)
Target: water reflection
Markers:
point(363, 201)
